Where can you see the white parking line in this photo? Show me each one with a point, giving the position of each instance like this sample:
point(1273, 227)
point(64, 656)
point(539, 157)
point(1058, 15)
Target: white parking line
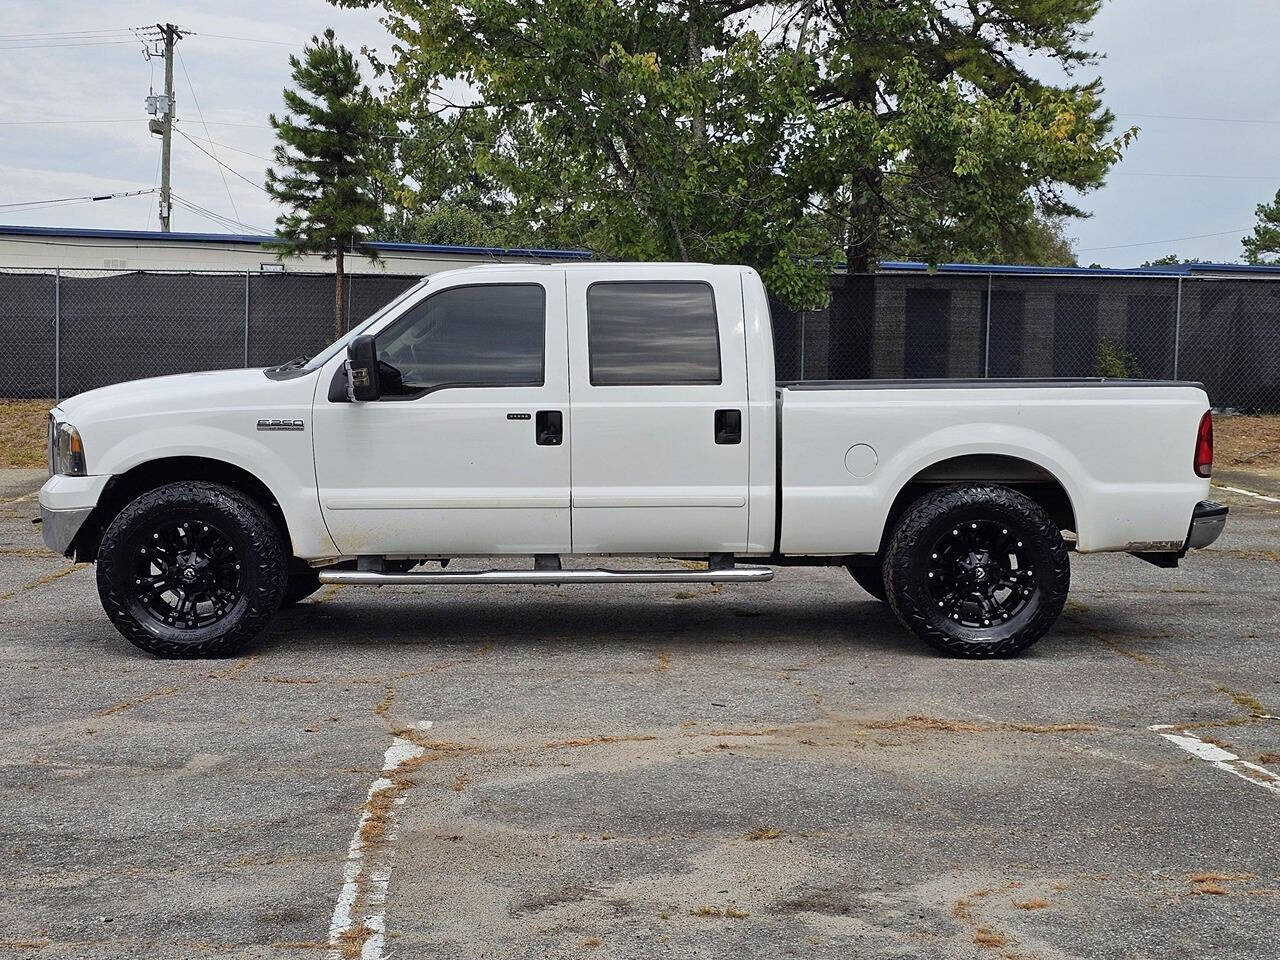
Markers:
point(1248, 493)
point(1220, 758)
point(367, 872)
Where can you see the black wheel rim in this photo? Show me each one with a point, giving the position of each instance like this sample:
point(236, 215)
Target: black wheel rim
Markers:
point(980, 574)
point(187, 574)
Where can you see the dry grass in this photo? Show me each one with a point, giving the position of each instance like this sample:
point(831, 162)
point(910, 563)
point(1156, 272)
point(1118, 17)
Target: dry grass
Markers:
point(764, 833)
point(1247, 442)
point(351, 942)
point(988, 938)
point(728, 913)
point(1033, 904)
point(22, 432)
point(592, 741)
point(592, 942)
point(1269, 758)
point(1209, 888)
point(918, 722)
point(1246, 700)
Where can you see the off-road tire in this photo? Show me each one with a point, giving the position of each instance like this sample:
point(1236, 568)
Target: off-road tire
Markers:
point(255, 543)
point(928, 521)
point(301, 583)
point(870, 577)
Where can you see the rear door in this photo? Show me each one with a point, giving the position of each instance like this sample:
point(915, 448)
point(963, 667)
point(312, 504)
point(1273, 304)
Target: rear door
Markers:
point(659, 406)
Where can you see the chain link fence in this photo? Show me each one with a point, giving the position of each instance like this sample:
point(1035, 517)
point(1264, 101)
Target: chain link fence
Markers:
point(66, 331)
point(1222, 331)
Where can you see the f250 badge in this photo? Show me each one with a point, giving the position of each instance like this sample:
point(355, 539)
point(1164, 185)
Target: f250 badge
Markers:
point(281, 425)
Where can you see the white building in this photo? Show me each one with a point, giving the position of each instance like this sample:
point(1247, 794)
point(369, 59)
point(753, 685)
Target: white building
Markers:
point(86, 249)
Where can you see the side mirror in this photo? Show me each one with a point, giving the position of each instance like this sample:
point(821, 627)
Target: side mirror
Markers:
point(363, 382)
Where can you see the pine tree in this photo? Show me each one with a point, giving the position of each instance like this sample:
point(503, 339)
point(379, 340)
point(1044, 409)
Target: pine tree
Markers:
point(327, 175)
point(1264, 245)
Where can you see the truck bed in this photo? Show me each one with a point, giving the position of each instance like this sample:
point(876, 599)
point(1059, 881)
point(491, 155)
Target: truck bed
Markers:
point(1120, 450)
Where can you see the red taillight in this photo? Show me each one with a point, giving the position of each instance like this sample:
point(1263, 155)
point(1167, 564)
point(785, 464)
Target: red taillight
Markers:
point(1204, 446)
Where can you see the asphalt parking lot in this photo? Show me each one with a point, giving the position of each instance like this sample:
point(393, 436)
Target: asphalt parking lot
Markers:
point(647, 771)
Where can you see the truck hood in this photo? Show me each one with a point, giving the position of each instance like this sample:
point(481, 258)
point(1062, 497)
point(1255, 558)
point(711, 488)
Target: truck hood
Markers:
point(194, 394)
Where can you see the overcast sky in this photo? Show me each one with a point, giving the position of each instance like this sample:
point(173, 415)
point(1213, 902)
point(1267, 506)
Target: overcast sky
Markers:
point(1199, 79)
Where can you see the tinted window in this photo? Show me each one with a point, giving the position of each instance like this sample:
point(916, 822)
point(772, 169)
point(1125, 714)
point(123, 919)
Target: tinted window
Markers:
point(646, 333)
point(481, 335)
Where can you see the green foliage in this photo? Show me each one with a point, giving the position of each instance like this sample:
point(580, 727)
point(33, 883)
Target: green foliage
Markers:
point(327, 144)
point(787, 136)
point(1263, 247)
point(1171, 260)
point(1113, 361)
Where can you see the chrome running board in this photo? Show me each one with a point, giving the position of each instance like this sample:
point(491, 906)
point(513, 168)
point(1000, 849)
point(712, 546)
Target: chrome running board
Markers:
point(369, 578)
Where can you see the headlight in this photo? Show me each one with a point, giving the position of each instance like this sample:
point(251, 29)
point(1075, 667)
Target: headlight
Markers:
point(66, 451)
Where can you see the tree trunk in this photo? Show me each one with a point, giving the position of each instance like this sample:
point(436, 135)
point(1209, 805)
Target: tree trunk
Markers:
point(862, 240)
point(339, 300)
point(693, 60)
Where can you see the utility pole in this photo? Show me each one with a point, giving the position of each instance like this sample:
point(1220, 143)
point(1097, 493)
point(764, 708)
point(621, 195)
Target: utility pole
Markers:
point(159, 41)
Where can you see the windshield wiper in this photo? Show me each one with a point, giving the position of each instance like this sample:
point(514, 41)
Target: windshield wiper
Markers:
point(293, 364)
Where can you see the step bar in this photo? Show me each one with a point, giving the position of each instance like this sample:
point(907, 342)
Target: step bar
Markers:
point(366, 578)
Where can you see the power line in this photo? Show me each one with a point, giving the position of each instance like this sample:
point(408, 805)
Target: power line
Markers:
point(67, 120)
point(80, 199)
point(222, 166)
point(227, 146)
point(54, 46)
point(217, 217)
point(214, 155)
point(281, 43)
point(1195, 176)
point(1151, 243)
point(1169, 116)
point(63, 33)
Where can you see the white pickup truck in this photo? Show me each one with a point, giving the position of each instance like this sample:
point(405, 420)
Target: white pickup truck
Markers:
point(609, 409)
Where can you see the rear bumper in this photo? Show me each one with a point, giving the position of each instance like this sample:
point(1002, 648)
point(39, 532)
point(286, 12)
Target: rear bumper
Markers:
point(1207, 522)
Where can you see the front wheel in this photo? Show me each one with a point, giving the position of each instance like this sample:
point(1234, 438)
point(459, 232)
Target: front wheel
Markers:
point(977, 571)
point(191, 569)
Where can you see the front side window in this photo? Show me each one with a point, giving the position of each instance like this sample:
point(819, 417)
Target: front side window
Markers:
point(483, 335)
point(644, 332)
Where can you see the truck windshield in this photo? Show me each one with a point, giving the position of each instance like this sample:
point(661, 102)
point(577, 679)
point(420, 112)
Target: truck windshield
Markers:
point(321, 358)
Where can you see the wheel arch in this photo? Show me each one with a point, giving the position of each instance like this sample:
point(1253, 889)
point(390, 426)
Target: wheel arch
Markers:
point(1032, 479)
point(126, 487)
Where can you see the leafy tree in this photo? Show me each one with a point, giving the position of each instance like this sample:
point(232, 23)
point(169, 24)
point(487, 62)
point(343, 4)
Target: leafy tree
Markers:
point(784, 135)
point(1263, 247)
point(327, 150)
point(1171, 260)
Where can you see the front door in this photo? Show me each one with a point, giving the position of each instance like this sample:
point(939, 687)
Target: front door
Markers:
point(658, 374)
point(469, 452)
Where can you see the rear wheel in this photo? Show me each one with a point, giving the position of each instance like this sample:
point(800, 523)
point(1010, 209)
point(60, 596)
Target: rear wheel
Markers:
point(977, 571)
point(191, 570)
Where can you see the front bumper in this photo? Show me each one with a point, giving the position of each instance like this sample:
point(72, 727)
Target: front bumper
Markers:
point(65, 504)
point(1207, 522)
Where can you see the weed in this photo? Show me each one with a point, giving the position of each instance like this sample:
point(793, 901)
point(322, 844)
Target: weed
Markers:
point(988, 939)
point(592, 741)
point(1246, 700)
point(764, 833)
point(918, 722)
point(1032, 904)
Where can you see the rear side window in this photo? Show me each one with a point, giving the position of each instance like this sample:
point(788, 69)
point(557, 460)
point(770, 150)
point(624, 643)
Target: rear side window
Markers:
point(483, 335)
point(643, 332)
